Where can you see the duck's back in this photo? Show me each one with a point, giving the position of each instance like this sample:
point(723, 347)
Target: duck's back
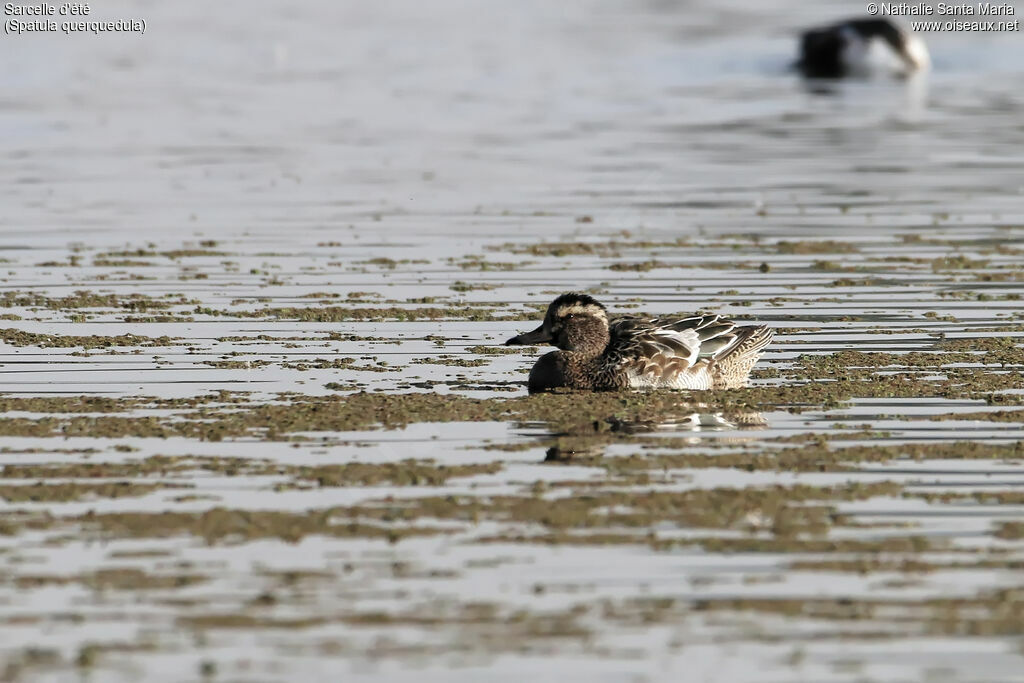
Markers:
point(702, 352)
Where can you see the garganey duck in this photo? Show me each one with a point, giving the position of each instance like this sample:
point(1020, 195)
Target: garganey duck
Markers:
point(861, 47)
point(702, 352)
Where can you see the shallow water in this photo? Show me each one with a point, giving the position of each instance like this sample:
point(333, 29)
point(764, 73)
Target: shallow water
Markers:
point(328, 211)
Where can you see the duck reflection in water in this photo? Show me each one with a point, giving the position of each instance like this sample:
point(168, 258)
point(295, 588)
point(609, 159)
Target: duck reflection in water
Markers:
point(591, 440)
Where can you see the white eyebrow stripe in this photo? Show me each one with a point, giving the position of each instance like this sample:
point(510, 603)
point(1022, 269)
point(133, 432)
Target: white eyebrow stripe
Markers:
point(581, 309)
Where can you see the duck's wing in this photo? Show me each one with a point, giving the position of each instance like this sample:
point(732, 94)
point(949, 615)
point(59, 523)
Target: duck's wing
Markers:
point(663, 346)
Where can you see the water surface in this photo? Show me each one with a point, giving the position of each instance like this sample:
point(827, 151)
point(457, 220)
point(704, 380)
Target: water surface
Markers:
point(311, 459)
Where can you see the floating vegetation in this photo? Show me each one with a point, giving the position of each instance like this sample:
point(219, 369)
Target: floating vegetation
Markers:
point(23, 338)
point(379, 427)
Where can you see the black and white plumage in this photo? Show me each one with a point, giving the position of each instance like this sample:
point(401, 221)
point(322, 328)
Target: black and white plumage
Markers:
point(686, 353)
point(700, 352)
point(861, 47)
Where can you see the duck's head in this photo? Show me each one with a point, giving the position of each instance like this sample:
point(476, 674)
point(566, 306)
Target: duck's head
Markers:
point(574, 322)
point(910, 49)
